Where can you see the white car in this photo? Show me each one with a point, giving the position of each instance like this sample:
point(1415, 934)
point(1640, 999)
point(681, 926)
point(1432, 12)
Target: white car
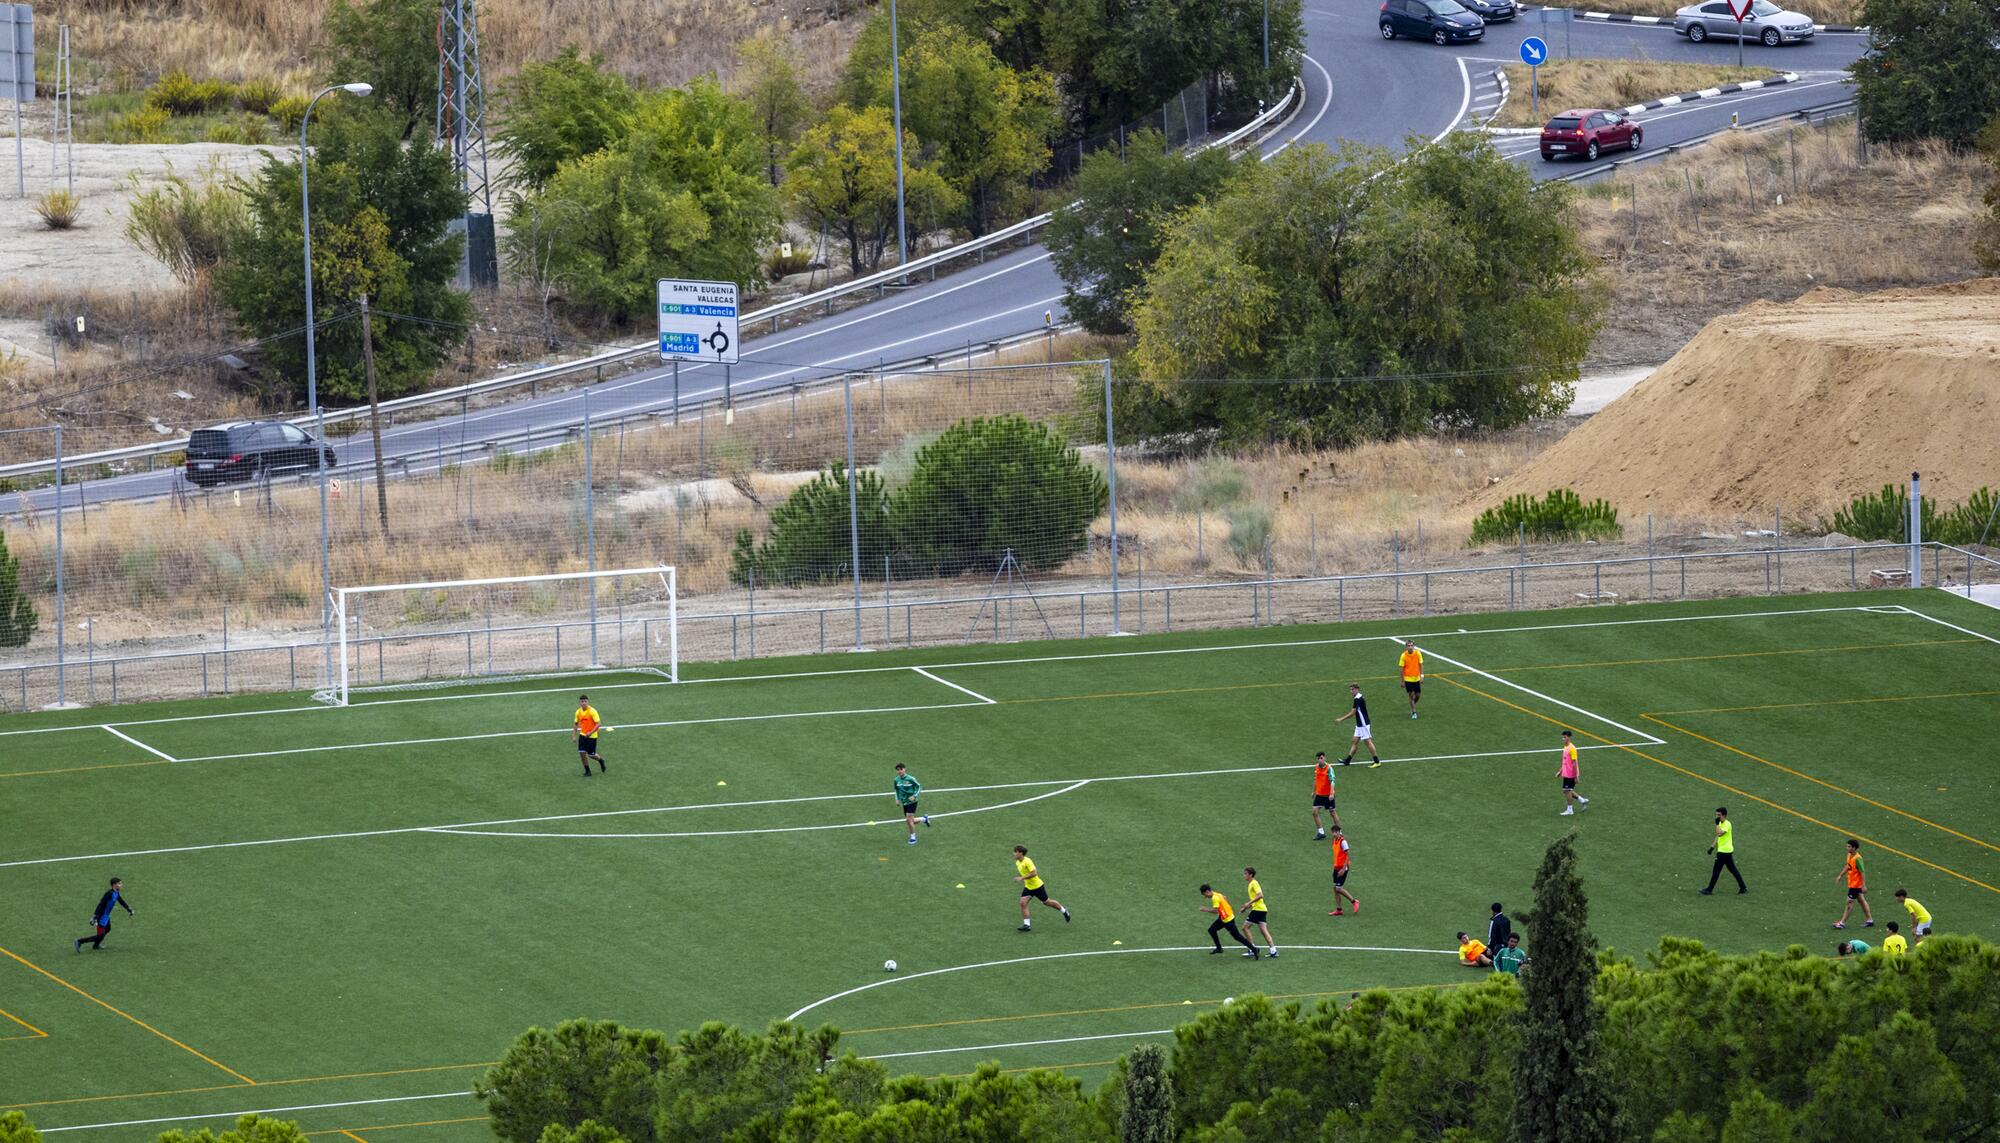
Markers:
point(1765, 22)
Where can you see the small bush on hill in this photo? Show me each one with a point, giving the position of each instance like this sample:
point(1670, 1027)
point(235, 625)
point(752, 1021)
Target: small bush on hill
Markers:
point(1561, 515)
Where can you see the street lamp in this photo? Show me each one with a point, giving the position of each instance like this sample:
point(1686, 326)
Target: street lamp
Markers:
point(312, 378)
point(896, 98)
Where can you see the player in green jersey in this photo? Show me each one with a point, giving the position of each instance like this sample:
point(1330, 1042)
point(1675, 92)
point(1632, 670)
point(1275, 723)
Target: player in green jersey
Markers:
point(907, 791)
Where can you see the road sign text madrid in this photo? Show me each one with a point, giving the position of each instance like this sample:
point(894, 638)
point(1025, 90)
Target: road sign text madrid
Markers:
point(698, 320)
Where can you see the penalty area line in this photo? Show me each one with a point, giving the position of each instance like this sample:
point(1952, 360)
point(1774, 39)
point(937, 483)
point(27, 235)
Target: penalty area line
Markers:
point(257, 1111)
point(117, 733)
point(1645, 738)
point(954, 686)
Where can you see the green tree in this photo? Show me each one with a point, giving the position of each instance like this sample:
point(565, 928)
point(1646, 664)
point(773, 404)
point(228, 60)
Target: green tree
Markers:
point(1148, 1112)
point(382, 211)
point(18, 621)
point(589, 1131)
point(1108, 236)
point(1560, 1094)
point(843, 178)
point(1986, 234)
point(584, 1071)
point(1889, 1078)
point(15, 1128)
point(1439, 288)
point(682, 196)
point(248, 1129)
point(723, 1083)
point(809, 540)
point(1757, 1118)
point(988, 485)
point(985, 126)
point(769, 81)
point(392, 44)
point(558, 111)
point(1932, 70)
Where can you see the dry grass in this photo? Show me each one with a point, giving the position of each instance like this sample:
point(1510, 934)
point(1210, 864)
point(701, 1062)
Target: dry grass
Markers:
point(1607, 83)
point(664, 42)
point(1769, 216)
point(1822, 11)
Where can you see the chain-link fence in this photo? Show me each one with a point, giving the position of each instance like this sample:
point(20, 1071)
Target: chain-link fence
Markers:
point(986, 504)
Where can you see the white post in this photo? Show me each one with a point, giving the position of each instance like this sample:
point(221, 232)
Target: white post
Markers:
point(1916, 529)
point(1111, 469)
point(674, 624)
point(853, 509)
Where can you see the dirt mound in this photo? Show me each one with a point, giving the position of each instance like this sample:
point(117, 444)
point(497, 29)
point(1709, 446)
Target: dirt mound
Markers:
point(1800, 405)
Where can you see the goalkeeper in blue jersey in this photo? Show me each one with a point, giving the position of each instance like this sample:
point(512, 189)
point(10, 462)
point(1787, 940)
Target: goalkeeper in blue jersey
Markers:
point(908, 789)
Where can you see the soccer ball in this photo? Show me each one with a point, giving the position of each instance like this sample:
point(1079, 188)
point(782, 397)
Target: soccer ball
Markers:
point(888, 966)
point(1229, 1000)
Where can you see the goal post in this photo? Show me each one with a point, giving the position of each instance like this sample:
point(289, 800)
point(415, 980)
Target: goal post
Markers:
point(433, 634)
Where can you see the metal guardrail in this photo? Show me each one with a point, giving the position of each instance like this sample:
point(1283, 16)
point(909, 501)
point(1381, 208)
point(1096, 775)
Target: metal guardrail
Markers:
point(879, 281)
point(1809, 114)
point(704, 635)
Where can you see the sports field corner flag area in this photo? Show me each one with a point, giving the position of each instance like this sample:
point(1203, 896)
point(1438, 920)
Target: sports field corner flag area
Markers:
point(343, 914)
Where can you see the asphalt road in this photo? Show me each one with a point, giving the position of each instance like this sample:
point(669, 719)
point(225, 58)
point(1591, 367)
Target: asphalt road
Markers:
point(1358, 88)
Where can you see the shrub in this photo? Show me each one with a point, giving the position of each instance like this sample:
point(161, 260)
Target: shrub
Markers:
point(188, 227)
point(144, 125)
point(289, 111)
point(178, 94)
point(1561, 515)
point(1249, 530)
point(258, 95)
point(1884, 515)
point(779, 264)
point(57, 208)
point(1217, 483)
point(987, 485)
point(1972, 522)
point(247, 130)
point(17, 614)
point(809, 540)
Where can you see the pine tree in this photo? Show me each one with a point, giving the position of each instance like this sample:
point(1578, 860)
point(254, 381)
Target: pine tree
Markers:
point(1149, 1098)
point(1559, 1091)
point(17, 614)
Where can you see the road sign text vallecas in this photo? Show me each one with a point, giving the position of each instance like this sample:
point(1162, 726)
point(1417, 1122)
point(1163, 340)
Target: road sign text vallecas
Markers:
point(698, 321)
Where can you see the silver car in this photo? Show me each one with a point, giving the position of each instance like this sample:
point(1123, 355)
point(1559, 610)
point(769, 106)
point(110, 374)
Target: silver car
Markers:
point(1766, 22)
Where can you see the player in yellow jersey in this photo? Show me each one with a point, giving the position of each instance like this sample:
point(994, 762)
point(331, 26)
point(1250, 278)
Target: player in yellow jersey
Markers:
point(1894, 944)
point(1410, 664)
point(1225, 921)
point(1255, 910)
point(1032, 886)
point(1920, 917)
point(587, 725)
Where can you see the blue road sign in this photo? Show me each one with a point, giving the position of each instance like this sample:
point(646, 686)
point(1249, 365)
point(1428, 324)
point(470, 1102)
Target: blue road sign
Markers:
point(1534, 52)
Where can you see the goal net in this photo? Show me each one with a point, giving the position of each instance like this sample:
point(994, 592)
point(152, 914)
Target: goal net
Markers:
point(414, 636)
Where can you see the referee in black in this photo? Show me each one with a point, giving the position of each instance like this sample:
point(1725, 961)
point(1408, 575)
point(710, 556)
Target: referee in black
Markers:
point(1724, 850)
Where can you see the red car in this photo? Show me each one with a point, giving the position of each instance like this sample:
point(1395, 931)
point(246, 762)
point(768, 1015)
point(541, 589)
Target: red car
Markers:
point(1588, 132)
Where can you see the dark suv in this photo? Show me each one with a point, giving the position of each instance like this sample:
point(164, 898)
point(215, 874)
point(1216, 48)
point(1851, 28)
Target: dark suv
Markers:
point(1439, 21)
point(224, 454)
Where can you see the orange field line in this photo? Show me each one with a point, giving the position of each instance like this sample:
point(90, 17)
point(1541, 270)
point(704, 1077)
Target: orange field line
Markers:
point(1819, 782)
point(81, 769)
point(127, 1015)
point(1829, 702)
point(350, 1132)
point(1779, 806)
point(266, 1083)
point(35, 1033)
point(353, 1136)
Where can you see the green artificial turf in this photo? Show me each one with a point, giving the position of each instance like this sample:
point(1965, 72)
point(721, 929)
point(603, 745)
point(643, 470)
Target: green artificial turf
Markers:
point(369, 903)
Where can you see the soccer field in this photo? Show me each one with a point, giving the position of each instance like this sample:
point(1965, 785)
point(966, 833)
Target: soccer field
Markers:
point(343, 914)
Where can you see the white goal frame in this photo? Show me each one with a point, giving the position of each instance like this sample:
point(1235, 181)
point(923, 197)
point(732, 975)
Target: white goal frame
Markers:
point(340, 685)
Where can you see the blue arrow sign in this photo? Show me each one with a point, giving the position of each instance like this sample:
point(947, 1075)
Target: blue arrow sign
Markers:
point(1534, 52)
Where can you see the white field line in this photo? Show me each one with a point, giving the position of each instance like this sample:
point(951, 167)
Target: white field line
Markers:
point(1649, 740)
point(1020, 1044)
point(1287, 643)
point(1942, 623)
point(258, 1111)
point(908, 976)
point(121, 734)
point(450, 826)
point(564, 732)
point(1077, 785)
point(953, 686)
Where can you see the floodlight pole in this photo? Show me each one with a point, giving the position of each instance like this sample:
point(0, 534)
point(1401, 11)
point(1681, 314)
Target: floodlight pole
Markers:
point(896, 98)
point(312, 374)
point(62, 695)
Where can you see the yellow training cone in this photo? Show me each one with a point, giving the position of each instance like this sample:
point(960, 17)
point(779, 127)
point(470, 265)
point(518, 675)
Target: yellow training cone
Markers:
point(721, 783)
point(960, 885)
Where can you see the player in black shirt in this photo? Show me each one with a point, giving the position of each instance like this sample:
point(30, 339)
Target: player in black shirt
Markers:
point(1362, 733)
point(100, 917)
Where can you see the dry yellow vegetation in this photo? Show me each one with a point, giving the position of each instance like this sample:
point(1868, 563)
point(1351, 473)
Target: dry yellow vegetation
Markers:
point(1608, 83)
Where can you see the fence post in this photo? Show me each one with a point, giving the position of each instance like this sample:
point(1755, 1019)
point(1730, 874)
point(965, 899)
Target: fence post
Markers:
point(753, 611)
point(1396, 544)
point(1916, 529)
point(1649, 555)
point(62, 697)
point(589, 529)
point(853, 506)
point(1111, 469)
point(1778, 543)
point(1684, 577)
